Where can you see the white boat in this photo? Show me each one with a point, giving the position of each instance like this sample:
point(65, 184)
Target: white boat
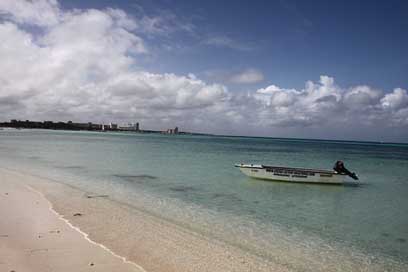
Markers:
point(291, 174)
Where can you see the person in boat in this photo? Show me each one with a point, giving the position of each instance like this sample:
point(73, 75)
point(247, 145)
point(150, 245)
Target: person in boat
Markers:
point(341, 169)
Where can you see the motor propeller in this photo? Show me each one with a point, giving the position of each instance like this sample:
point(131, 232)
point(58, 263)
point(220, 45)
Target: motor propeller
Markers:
point(341, 169)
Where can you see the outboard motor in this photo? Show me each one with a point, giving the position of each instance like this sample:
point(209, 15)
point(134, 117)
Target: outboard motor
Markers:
point(341, 169)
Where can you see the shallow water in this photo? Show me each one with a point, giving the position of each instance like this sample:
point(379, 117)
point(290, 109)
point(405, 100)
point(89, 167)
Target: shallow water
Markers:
point(191, 180)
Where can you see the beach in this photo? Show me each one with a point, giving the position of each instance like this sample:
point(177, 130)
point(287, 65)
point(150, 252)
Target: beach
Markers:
point(33, 237)
point(176, 203)
point(39, 236)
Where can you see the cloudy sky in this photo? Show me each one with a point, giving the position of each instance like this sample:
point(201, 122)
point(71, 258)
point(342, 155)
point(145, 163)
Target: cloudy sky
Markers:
point(304, 69)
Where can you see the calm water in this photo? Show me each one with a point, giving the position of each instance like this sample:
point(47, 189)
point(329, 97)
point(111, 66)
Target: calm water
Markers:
point(191, 181)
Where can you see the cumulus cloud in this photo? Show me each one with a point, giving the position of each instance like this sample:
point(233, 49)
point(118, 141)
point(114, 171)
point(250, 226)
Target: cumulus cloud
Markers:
point(247, 77)
point(82, 65)
point(361, 97)
point(396, 100)
point(325, 104)
point(39, 12)
point(164, 92)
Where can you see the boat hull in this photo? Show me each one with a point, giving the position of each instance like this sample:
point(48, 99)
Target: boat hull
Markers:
point(297, 175)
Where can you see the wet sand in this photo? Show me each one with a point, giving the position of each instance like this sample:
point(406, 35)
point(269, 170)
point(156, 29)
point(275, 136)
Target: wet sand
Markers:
point(33, 237)
point(81, 233)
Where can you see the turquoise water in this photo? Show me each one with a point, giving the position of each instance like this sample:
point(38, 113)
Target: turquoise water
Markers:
point(191, 180)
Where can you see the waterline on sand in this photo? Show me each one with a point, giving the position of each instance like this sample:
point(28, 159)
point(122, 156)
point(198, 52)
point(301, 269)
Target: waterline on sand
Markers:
point(85, 235)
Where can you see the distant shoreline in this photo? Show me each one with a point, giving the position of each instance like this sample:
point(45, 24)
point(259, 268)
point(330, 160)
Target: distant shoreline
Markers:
point(294, 139)
point(89, 126)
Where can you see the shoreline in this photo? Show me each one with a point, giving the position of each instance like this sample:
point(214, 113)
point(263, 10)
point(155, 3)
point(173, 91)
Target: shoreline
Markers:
point(34, 237)
point(85, 235)
point(146, 242)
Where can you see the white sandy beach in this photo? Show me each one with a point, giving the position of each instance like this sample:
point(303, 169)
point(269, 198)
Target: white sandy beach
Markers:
point(35, 236)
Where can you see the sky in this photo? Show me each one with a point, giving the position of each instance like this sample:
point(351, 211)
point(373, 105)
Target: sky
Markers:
point(302, 69)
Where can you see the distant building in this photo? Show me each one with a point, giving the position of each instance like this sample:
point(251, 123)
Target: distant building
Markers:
point(113, 126)
point(172, 131)
point(130, 126)
point(95, 126)
point(58, 125)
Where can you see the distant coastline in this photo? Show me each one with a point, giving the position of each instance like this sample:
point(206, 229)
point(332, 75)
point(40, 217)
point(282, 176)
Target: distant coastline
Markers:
point(89, 126)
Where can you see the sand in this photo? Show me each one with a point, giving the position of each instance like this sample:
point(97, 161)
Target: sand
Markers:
point(35, 238)
point(41, 231)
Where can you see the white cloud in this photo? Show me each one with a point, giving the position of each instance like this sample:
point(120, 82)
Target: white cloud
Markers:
point(81, 69)
point(325, 104)
point(83, 65)
point(275, 96)
point(247, 77)
point(360, 97)
point(39, 12)
point(396, 100)
point(163, 22)
point(164, 92)
point(122, 19)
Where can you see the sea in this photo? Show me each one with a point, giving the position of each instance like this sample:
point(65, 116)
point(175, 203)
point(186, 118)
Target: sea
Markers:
point(191, 181)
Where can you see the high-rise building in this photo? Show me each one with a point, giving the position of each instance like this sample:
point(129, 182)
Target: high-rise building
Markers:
point(113, 126)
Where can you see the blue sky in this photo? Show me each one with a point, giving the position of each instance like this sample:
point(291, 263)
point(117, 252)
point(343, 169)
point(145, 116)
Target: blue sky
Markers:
point(312, 69)
point(357, 42)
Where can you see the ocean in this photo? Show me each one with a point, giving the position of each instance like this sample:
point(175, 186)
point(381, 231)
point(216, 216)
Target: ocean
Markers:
point(191, 181)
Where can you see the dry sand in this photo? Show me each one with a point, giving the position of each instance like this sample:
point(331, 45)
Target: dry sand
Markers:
point(35, 236)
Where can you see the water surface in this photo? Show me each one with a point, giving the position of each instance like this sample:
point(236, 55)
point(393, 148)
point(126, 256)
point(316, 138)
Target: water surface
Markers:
point(191, 181)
